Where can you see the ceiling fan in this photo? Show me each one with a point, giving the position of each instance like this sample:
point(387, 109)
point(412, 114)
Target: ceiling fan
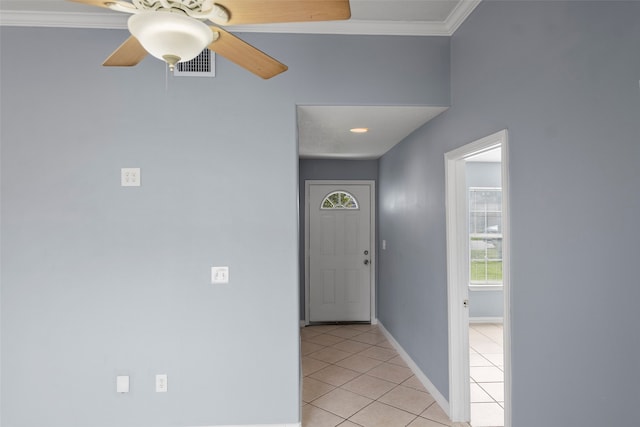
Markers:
point(174, 30)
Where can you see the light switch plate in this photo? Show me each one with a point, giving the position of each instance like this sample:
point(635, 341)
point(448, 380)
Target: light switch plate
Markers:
point(130, 177)
point(122, 384)
point(219, 274)
point(161, 383)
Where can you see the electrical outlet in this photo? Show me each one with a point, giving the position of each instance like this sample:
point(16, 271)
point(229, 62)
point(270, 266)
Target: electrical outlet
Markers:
point(161, 383)
point(219, 274)
point(130, 177)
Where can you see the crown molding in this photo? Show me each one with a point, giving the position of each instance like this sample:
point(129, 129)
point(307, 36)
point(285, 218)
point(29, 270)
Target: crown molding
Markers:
point(353, 26)
point(459, 14)
point(12, 18)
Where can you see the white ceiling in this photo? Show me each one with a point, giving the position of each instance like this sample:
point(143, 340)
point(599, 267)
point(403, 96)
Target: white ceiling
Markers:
point(323, 132)
point(392, 17)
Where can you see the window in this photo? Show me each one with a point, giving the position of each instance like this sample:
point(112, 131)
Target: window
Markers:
point(485, 234)
point(339, 200)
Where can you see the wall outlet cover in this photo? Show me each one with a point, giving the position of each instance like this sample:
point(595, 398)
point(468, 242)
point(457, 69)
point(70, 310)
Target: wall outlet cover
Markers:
point(219, 274)
point(130, 177)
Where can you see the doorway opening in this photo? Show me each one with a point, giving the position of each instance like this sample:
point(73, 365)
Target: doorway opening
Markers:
point(478, 281)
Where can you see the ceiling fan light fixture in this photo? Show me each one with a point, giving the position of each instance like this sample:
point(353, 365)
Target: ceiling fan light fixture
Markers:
point(170, 36)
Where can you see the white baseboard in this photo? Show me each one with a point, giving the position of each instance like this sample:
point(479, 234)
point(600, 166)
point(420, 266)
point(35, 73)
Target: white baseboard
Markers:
point(426, 382)
point(486, 320)
point(303, 323)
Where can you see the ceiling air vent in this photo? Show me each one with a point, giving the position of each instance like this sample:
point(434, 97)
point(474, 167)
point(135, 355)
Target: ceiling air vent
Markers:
point(203, 65)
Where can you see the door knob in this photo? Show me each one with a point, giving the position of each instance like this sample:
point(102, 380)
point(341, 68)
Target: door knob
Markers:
point(366, 261)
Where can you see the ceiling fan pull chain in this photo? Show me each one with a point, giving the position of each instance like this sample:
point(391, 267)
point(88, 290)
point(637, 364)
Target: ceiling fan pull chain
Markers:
point(166, 79)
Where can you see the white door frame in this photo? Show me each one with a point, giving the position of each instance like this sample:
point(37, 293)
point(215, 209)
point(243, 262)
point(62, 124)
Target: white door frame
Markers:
point(458, 274)
point(372, 249)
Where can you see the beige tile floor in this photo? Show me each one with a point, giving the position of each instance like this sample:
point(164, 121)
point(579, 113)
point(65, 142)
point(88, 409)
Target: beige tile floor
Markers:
point(352, 376)
point(487, 374)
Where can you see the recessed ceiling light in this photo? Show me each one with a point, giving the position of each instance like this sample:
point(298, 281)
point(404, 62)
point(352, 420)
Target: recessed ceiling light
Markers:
point(359, 130)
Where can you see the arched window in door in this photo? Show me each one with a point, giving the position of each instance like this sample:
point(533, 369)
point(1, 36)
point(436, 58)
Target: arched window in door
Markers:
point(339, 200)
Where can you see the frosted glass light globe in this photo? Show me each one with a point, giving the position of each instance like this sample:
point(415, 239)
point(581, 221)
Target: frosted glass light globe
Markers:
point(170, 36)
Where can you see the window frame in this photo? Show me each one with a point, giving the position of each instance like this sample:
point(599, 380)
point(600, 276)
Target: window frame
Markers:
point(487, 284)
point(351, 197)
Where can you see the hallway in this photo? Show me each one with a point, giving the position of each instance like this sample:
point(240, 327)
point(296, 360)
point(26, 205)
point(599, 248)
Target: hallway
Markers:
point(354, 377)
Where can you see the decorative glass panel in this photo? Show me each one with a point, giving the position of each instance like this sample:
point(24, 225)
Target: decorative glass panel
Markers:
point(339, 200)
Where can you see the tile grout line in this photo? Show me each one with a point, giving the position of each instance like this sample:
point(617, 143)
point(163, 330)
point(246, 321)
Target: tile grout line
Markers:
point(370, 345)
point(492, 364)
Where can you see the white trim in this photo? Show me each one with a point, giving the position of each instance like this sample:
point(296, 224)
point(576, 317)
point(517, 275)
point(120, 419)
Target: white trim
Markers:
point(480, 288)
point(307, 204)
point(19, 18)
point(426, 382)
point(459, 14)
point(486, 320)
point(457, 273)
point(350, 27)
point(372, 249)
point(506, 277)
point(12, 18)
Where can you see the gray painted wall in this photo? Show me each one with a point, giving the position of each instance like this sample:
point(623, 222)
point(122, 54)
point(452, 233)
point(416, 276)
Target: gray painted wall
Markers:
point(484, 303)
point(562, 77)
point(99, 280)
point(321, 169)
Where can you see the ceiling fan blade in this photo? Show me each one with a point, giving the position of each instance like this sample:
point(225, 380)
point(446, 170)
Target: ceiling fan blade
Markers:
point(99, 3)
point(243, 54)
point(129, 53)
point(267, 11)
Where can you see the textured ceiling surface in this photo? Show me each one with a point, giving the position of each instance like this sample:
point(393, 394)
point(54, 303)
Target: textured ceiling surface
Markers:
point(323, 131)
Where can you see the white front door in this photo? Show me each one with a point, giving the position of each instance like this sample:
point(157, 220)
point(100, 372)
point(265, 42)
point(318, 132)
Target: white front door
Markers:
point(340, 253)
